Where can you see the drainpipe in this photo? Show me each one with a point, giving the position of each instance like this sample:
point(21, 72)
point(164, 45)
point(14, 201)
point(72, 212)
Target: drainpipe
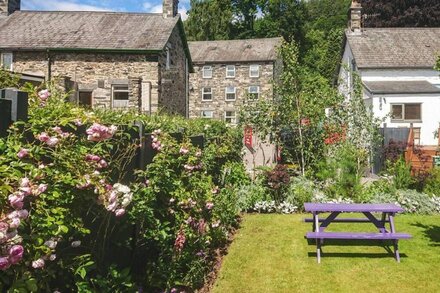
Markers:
point(49, 66)
point(186, 88)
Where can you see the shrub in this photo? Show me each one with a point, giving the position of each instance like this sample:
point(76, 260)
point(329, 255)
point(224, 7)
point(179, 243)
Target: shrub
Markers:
point(411, 200)
point(300, 191)
point(432, 185)
point(277, 181)
point(401, 173)
point(249, 195)
point(75, 217)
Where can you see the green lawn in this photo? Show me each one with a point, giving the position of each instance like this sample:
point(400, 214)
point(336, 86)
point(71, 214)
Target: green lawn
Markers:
point(270, 254)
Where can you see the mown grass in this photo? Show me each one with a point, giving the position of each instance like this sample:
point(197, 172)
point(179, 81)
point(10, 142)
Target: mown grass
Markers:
point(270, 254)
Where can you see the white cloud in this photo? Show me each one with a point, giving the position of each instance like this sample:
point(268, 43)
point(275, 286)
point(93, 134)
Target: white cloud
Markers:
point(60, 6)
point(156, 9)
point(149, 7)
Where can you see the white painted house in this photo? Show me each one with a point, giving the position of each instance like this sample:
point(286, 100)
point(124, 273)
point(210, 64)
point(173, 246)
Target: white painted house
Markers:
point(396, 67)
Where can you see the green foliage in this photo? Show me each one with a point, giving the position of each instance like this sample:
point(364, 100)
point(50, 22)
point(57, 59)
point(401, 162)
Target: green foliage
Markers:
point(342, 172)
point(249, 195)
point(180, 195)
point(401, 173)
point(300, 191)
point(432, 185)
point(7, 79)
point(277, 180)
point(411, 200)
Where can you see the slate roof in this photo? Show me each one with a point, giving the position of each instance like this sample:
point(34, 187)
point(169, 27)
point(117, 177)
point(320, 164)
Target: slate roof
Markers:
point(401, 87)
point(395, 47)
point(35, 30)
point(234, 50)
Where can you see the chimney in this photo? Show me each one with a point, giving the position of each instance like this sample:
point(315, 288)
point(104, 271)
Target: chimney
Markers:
point(7, 7)
point(169, 8)
point(356, 17)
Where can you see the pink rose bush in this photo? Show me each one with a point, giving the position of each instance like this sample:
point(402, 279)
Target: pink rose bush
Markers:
point(156, 143)
point(98, 132)
point(23, 153)
point(118, 198)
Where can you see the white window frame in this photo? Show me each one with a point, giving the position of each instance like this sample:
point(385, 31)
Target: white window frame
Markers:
point(207, 68)
point(11, 56)
point(251, 93)
point(228, 92)
point(258, 70)
point(126, 104)
point(207, 93)
point(233, 118)
point(403, 112)
point(207, 116)
point(229, 69)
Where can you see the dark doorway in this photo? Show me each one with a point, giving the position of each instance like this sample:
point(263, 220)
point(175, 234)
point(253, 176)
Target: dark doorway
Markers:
point(85, 99)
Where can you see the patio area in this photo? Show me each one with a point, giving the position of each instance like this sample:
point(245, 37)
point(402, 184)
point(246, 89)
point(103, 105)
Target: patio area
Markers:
point(269, 254)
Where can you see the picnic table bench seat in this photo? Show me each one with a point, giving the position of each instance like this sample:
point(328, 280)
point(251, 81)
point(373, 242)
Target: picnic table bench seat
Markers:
point(357, 235)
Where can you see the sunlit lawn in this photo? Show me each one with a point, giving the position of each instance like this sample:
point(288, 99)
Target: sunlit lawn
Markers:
point(270, 254)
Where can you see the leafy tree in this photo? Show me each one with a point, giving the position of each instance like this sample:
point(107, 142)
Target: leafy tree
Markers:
point(401, 13)
point(245, 14)
point(209, 20)
point(281, 18)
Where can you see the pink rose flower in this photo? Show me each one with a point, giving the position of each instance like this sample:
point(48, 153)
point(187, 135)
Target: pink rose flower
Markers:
point(23, 214)
point(43, 137)
point(53, 141)
point(38, 264)
point(51, 244)
point(15, 254)
point(120, 212)
point(44, 94)
point(41, 189)
point(15, 222)
point(183, 151)
point(209, 205)
point(16, 201)
point(4, 263)
point(102, 164)
point(25, 182)
point(23, 153)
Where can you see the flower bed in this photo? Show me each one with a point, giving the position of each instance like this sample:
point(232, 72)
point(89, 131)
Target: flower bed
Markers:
point(71, 220)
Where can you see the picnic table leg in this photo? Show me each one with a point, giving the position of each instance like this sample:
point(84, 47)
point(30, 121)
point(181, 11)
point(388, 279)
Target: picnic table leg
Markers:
point(318, 241)
point(383, 219)
point(396, 242)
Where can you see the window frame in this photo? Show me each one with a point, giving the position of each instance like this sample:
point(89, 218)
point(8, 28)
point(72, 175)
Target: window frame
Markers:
point(203, 71)
point(207, 117)
point(252, 93)
point(120, 91)
point(226, 93)
point(210, 93)
point(258, 70)
point(11, 55)
point(227, 71)
point(225, 117)
point(403, 119)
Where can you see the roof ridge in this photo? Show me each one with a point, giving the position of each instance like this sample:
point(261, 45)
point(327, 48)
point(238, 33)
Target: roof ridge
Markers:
point(88, 11)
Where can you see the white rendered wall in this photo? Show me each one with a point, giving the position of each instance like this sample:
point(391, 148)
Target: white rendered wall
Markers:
point(430, 113)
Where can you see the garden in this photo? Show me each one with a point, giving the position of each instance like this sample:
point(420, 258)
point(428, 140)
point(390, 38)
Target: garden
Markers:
point(102, 201)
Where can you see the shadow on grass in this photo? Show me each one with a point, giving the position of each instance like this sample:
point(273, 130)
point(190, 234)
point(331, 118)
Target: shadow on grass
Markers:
point(430, 231)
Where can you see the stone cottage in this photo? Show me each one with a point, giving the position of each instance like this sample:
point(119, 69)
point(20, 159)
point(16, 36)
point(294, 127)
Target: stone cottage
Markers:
point(105, 59)
point(228, 74)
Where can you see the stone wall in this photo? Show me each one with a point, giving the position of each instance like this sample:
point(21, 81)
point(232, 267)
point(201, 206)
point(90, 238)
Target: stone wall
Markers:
point(8, 7)
point(96, 73)
point(219, 82)
point(173, 80)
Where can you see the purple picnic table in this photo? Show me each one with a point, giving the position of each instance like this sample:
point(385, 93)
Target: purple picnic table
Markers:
point(388, 211)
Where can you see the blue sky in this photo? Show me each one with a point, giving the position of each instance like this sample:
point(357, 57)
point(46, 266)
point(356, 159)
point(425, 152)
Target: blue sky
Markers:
point(112, 5)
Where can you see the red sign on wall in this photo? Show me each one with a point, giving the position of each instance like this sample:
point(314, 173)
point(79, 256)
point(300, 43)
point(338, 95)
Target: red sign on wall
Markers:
point(248, 133)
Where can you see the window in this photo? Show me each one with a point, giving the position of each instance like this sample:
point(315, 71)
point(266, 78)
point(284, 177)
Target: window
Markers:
point(168, 64)
point(406, 112)
point(85, 98)
point(254, 92)
point(230, 117)
point(207, 114)
point(120, 96)
point(6, 61)
point(416, 132)
point(230, 71)
point(254, 71)
point(206, 94)
point(230, 93)
point(207, 71)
